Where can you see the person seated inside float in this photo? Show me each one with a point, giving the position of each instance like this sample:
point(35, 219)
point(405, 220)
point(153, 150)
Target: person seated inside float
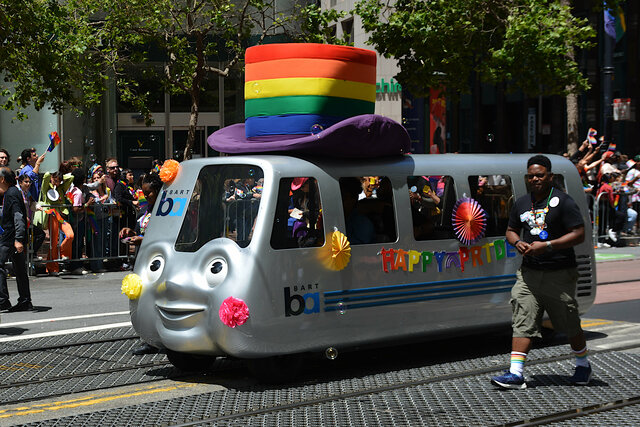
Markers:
point(360, 229)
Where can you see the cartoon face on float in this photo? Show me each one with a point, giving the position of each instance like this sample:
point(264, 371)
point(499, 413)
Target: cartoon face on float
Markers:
point(189, 281)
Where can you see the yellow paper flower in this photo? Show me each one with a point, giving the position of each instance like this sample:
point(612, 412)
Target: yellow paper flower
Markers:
point(169, 171)
point(340, 251)
point(132, 286)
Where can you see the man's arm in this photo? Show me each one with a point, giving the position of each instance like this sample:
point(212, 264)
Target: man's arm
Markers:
point(513, 237)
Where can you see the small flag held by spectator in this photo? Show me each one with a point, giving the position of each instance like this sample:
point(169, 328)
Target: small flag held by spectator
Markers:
point(55, 140)
point(142, 201)
point(591, 136)
point(612, 147)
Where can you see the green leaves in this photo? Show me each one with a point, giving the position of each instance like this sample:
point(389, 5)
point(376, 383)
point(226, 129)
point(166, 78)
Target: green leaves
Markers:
point(526, 44)
point(43, 54)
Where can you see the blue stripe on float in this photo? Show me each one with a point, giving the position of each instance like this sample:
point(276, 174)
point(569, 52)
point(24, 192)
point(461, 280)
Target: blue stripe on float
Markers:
point(425, 298)
point(417, 285)
point(417, 292)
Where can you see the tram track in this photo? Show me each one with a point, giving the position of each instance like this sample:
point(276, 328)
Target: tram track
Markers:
point(426, 381)
point(576, 413)
point(62, 346)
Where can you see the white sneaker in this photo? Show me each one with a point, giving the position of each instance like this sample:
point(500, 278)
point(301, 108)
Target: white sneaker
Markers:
point(613, 235)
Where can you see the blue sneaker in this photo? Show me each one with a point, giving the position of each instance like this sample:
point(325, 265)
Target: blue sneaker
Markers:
point(582, 375)
point(509, 381)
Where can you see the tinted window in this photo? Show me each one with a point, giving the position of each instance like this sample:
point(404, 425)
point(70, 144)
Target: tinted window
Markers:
point(298, 220)
point(495, 195)
point(224, 203)
point(432, 200)
point(368, 209)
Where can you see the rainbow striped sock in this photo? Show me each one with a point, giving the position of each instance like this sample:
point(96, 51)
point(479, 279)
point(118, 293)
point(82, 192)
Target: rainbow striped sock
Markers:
point(517, 362)
point(581, 357)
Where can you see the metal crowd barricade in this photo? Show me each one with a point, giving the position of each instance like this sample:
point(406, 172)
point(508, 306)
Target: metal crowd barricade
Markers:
point(591, 203)
point(602, 215)
point(96, 238)
point(239, 219)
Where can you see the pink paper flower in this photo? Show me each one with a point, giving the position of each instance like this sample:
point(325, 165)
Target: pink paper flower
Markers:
point(233, 312)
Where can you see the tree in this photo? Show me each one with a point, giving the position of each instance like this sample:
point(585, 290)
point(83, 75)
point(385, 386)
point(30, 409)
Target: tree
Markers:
point(44, 58)
point(193, 39)
point(442, 43)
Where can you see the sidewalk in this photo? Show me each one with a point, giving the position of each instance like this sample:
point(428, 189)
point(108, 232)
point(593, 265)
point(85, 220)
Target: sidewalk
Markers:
point(629, 253)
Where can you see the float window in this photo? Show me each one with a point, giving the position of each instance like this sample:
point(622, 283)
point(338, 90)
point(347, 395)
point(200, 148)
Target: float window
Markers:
point(298, 219)
point(432, 200)
point(367, 203)
point(223, 203)
point(495, 195)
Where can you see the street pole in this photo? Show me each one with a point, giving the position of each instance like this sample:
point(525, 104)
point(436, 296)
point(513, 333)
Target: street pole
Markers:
point(607, 86)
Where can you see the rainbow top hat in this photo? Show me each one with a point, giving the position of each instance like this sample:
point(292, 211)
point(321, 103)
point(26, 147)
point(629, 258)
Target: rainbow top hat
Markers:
point(311, 98)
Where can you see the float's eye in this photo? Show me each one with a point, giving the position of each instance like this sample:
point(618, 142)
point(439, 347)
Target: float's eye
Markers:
point(216, 271)
point(216, 267)
point(155, 265)
point(155, 268)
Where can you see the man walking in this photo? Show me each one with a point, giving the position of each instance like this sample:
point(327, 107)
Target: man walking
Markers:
point(551, 224)
point(13, 242)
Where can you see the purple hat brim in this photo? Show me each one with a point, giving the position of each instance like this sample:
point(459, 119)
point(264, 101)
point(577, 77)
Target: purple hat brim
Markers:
point(367, 135)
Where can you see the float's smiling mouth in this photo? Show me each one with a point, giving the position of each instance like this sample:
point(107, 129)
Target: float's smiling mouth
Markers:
point(179, 312)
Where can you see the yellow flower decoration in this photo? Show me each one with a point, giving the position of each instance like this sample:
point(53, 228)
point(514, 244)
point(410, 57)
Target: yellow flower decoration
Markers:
point(132, 286)
point(340, 251)
point(169, 171)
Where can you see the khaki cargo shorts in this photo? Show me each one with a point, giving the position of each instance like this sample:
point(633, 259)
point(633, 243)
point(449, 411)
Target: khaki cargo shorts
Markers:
point(537, 291)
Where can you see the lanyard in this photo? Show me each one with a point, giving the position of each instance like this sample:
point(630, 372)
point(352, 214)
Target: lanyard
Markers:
point(539, 221)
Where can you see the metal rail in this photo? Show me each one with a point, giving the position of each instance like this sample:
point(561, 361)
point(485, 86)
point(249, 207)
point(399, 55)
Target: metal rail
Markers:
point(578, 412)
point(73, 344)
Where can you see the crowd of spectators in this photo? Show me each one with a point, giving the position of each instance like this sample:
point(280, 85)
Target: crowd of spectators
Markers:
point(613, 178)
point(82, 218)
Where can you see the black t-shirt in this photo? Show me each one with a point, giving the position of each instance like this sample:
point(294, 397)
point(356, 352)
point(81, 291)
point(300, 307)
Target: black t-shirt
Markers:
point(562, 216)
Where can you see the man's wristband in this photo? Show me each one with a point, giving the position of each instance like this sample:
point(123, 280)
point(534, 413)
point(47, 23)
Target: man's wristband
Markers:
point(516, 242)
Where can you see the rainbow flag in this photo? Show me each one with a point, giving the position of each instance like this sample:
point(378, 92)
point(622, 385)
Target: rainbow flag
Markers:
point(591, 136)
point(615, 25)
point(55, 141)
point(142, 201)
point(52, 211)
point(612, 147)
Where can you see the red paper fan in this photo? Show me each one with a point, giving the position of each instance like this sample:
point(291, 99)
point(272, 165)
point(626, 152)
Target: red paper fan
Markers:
point(469, 221)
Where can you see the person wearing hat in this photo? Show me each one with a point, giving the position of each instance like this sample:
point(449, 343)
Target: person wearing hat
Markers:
point(609, 164)
point(54, 214)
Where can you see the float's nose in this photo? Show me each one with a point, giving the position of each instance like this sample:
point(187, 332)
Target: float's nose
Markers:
point(132, 286)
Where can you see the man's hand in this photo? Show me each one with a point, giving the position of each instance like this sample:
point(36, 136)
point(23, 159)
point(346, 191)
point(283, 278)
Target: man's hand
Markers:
point(19, 246)
point(536, 248)
point(522, 247)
